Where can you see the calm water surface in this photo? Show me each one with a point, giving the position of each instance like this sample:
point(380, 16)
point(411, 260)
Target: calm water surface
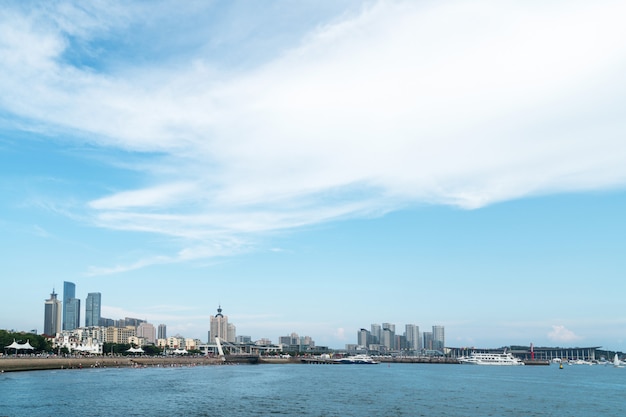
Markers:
point(318, 390)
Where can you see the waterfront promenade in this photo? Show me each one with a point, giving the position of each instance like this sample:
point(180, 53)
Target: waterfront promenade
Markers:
point(12, 364)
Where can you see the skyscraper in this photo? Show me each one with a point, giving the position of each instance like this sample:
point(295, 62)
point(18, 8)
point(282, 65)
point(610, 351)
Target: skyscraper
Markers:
point(388, 336)
point(428, 340)
point(162, 332)
point(363, 338)
point(439, 339)
point(375, 333)
point(412, 333)
point(52, 315)
point(92, 309)
point(219, 325)
point(231, 336)
point(71, 307)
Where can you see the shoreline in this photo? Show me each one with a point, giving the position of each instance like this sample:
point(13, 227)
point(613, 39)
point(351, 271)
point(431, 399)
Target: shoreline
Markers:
point(51, 363)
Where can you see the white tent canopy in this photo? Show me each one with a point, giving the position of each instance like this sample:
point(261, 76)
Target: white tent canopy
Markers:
point(20, 346)
point(135, 350)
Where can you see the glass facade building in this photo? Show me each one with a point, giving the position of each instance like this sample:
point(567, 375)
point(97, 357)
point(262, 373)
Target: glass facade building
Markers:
point(162, 331)
point(71, 307)
point(93, 309)
point(439, 338)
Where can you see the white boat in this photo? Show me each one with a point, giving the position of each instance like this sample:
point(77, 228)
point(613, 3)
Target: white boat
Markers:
point(491, 359)
point(616, 362)
point(357, 359)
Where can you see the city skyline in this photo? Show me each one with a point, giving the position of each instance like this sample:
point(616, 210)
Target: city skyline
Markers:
point(317, 166)
point(380, 335)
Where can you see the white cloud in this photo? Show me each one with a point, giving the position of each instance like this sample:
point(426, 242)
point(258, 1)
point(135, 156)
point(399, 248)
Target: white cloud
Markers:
point(340, 334)
point(560, 333)
point(159, 196)
point(404, 103)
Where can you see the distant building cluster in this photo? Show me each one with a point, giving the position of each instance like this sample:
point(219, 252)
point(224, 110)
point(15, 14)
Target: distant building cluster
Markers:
point(62, 320)
point(383, 339)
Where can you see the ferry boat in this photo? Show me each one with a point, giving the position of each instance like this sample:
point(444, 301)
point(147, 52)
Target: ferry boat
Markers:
point(357, 359)
point(491, 359)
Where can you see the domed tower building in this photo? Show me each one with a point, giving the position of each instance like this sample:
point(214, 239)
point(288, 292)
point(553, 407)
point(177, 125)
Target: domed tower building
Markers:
point(220, 327)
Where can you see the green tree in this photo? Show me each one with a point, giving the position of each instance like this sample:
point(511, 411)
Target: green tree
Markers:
point(151, 350)
point(40, 343)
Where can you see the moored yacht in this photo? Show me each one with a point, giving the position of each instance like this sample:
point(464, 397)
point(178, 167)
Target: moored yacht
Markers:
point(491, 359)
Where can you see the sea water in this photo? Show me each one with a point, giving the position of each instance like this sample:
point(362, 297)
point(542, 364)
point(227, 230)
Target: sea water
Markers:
point(318, 390)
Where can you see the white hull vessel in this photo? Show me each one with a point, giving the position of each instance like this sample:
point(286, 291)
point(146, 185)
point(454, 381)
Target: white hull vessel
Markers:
point(498, 359)
point(357, 359)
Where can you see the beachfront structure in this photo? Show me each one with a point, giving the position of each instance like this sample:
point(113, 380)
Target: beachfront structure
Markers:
point(78, 343)
point(93, 306)
point(119, 334)
point(52, 315)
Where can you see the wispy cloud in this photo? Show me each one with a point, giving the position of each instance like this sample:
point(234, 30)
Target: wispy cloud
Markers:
point(40, 231)
point(399, 104)
point(216, 249)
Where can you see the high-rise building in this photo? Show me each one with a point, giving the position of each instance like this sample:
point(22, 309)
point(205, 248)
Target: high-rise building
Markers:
point(219, 325)
point(147, 331)
point(387, 339)
point(119, 334)
point(231, 335)
point(363, 338)
point(92, 309)
point(52, 315)
point(375, 332)
point(130, 321)
point(428, 340)
point(244, 339)
point(412, 333)
point(439, 339)
point(388, 336)
point(71, 307)
point(162, 332)
point(104, 322)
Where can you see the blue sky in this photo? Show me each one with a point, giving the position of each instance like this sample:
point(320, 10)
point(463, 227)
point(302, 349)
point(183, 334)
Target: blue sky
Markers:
point(315, 168)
